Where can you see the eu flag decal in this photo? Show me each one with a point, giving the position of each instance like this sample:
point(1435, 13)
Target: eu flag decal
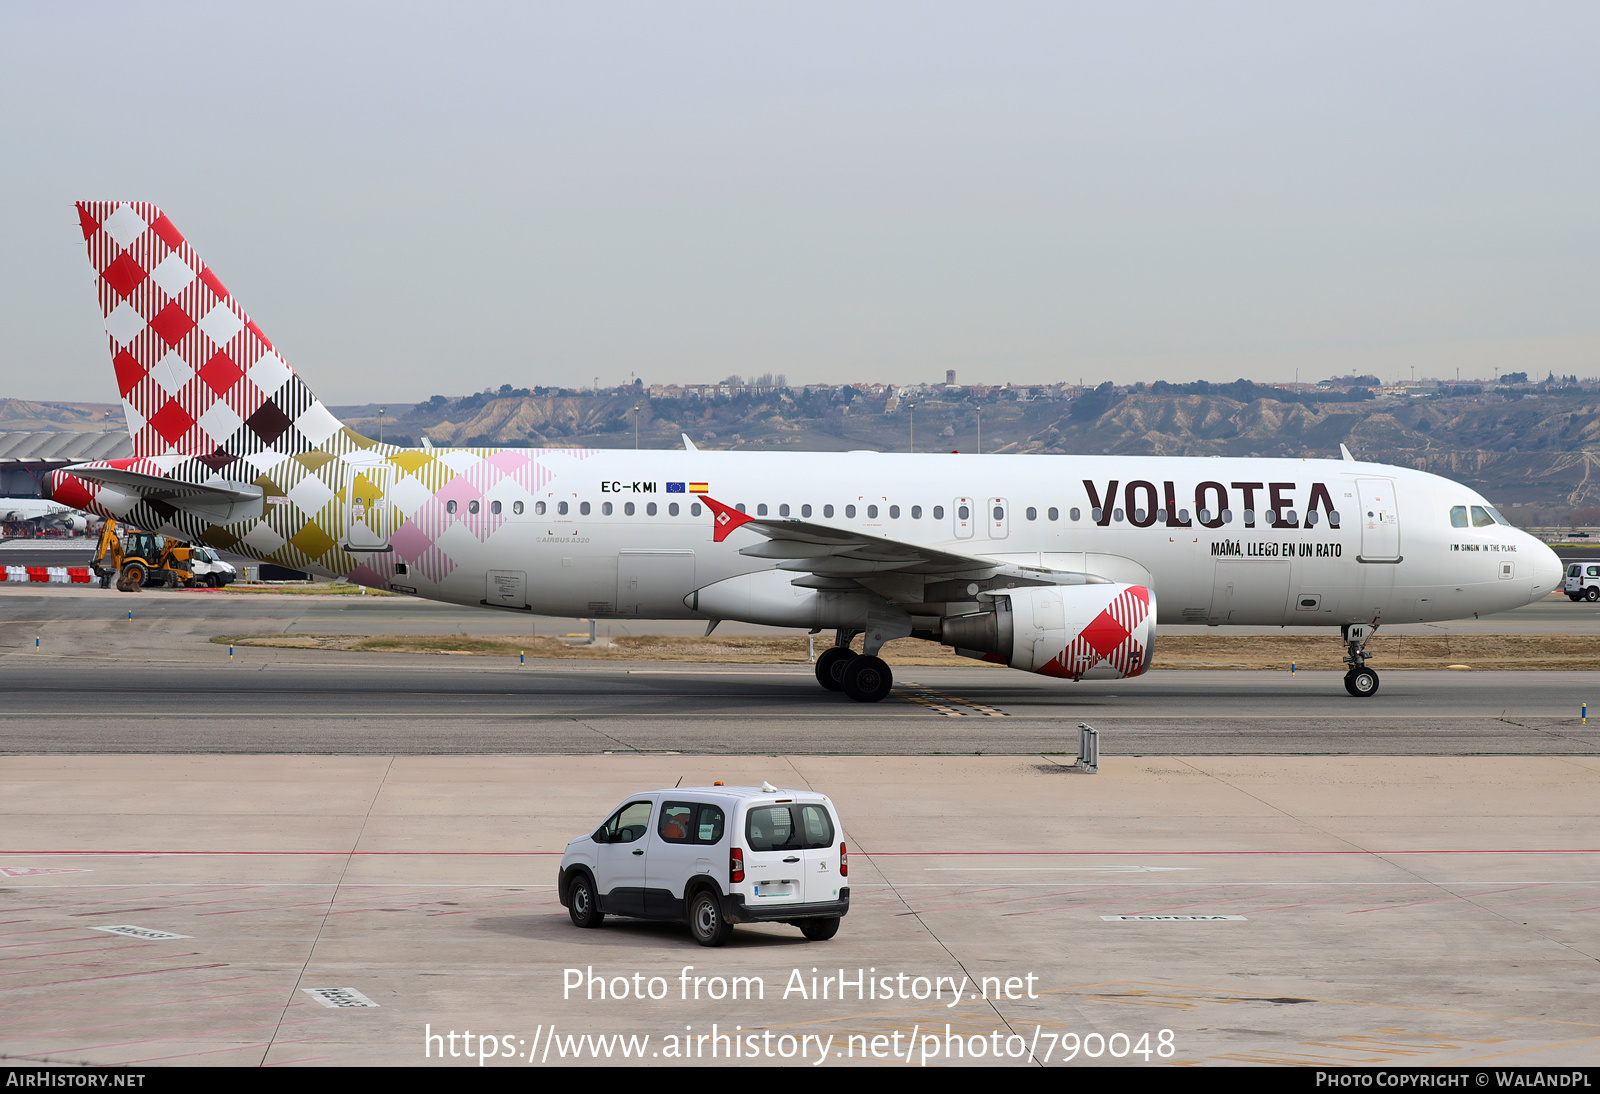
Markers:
point(675, 488)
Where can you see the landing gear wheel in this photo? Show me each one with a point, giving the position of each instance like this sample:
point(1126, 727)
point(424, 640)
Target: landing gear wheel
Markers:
point(819, 930)
point(867, 679)
point(830, 666)
point(705, 919)
point(1361, 683)
point(1592, 593)
point(582, 904)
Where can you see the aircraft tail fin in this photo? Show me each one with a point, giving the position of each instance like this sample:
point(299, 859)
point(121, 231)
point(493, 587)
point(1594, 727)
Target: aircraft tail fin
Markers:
point(197, 377)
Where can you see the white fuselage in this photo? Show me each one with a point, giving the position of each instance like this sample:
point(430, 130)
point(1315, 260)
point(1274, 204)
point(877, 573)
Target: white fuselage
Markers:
point(573, 547)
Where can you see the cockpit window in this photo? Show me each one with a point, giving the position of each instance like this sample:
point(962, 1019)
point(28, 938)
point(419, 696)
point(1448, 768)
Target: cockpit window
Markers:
point(1499, 518)
point(1481, 517)
point(1458, 516)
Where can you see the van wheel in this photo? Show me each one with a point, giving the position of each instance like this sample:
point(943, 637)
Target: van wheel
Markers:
point(706, 922)
point(819, 930)
point(582, 904)
point(1592, 593)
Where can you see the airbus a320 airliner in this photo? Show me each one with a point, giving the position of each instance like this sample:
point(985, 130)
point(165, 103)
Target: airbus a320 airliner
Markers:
point(1049, 564)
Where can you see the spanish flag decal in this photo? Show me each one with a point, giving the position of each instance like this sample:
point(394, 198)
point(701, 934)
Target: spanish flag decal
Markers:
point(699, 488)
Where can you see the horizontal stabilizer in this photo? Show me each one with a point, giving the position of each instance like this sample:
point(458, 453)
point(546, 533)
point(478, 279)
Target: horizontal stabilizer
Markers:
point(219, 501)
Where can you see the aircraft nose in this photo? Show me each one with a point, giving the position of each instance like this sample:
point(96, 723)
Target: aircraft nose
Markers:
point(1547, 571)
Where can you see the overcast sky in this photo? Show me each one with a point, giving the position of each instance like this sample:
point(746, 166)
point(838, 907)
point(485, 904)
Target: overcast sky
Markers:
point(412, 199)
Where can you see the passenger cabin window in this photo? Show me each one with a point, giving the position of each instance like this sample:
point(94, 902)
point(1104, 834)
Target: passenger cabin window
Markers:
point(694, 509)
point(872, 512)
point(1032, 513)
point(605, 508)
point(672, 509)
point(1075, 513)
point(494, 507)
point(916, 512)
point(516, 508)
point(583, 508)
point(805, 510)
point(449, 507)
point(849, 510)
point(649, 509)
point(538, 508)
point(963, 513)
point(938, 512)
point(761, 509)
point(628, 509)
point(561, 508)
point(1053, 513)
point(472, 507)
point(783, 510)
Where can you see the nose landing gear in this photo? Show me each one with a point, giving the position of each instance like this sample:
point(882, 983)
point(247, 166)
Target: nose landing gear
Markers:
point(1360, 681)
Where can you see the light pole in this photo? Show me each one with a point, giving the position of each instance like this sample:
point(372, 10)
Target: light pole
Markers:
point(978, 448)
point(911, 411)
point(382, 410)
point(636, 408)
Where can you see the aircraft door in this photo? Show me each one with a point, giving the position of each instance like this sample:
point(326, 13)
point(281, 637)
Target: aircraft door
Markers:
point(367, 510)
point(999, 514)
point(1380, 521)
point(961, 511)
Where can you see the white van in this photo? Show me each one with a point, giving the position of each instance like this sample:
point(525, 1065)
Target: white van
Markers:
point(713, 856)
point(1583, 581)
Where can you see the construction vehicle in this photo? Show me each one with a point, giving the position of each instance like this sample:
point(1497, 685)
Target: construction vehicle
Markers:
point(135, 558)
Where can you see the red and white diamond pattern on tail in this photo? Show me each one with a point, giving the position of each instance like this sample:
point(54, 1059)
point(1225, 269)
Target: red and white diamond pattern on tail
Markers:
point(195, 374)
point(1110, 640)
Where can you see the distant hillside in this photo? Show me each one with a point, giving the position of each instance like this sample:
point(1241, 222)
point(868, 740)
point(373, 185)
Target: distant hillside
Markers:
point(1533, 451)
point(20, 415)
point(1537, 454)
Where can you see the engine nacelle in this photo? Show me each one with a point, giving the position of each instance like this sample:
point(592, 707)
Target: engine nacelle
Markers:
point(1082, 632)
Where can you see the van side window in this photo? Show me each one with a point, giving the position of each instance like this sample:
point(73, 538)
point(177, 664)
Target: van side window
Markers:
point(628, 823)
point(690, 822)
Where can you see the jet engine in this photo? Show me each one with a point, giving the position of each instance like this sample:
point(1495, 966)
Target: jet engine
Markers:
point(1082, 632)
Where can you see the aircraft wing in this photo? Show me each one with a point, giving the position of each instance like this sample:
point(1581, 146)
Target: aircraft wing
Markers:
point(825, 557)
point(219, 500)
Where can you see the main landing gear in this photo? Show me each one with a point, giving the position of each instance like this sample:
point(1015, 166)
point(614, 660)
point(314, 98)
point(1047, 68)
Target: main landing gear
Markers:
point(863, 677)
point(1360, 681)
